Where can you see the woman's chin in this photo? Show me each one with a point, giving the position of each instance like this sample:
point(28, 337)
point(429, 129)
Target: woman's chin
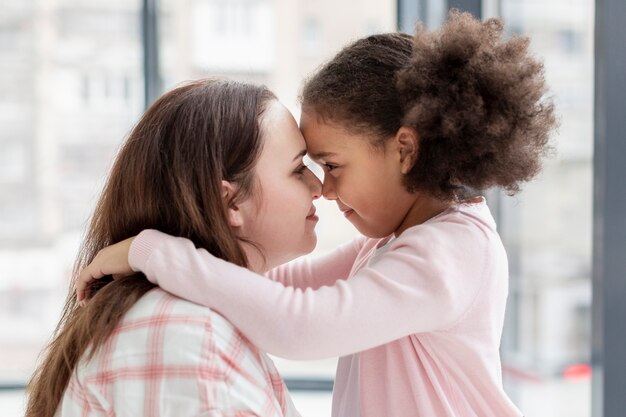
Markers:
point(304, 248)
point(312, 244)
point(307, 246)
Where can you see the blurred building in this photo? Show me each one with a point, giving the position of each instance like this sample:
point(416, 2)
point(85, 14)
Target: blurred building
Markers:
point(547, 228)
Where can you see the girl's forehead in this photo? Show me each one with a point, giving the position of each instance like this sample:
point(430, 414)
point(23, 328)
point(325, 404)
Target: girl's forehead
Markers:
point(315, 122)
point(336, 146)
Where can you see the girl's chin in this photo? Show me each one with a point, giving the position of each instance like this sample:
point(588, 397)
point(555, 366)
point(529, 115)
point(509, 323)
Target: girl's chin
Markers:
point(367, 231)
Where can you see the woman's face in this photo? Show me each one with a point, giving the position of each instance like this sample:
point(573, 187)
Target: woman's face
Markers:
point(280, 216)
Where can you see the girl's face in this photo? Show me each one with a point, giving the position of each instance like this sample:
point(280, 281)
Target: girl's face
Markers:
point(280, 216)
point(365, 182)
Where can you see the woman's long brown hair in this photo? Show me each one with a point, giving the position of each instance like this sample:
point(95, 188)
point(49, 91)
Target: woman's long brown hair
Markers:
point(167, 176)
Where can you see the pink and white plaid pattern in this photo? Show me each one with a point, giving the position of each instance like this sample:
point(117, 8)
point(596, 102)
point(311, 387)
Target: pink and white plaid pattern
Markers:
point(170, 357)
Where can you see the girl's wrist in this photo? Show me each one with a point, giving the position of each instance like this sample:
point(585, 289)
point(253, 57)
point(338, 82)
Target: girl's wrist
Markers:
point(141, 249)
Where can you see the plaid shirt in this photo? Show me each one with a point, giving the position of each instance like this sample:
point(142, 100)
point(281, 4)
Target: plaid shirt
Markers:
point(169, 357)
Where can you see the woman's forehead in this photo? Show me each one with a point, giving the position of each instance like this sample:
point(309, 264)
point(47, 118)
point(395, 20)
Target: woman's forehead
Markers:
point(281, 134)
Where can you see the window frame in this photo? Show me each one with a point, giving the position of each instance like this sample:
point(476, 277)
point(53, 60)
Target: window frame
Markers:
point(609, 228)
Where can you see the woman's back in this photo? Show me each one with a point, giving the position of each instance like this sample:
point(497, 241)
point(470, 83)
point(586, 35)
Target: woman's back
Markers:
point(170, 357)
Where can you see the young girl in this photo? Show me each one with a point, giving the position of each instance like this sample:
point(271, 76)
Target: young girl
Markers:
point(198, 165)
point(405, 129)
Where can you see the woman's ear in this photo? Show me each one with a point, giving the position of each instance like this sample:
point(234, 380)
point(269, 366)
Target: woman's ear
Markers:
point(235, 219)
point(407, 142)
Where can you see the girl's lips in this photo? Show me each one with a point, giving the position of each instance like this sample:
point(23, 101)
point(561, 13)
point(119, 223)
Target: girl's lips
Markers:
point(312, 215)
point(347, 213)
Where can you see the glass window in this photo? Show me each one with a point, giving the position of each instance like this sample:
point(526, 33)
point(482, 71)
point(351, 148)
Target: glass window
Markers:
point(547, 228)
point(70, 89)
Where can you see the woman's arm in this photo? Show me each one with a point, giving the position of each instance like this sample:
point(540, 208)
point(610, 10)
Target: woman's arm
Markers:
point(428, 278)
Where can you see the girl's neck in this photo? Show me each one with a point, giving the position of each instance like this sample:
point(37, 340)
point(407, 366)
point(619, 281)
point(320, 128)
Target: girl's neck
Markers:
point(425, 207)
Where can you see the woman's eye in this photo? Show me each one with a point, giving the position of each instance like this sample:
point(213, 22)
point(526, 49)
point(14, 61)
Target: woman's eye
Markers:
point(300, 170)
point(330, 167)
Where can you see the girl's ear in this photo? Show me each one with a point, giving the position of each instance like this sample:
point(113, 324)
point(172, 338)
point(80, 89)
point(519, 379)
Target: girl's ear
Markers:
point(235, 219)
point(407, 141)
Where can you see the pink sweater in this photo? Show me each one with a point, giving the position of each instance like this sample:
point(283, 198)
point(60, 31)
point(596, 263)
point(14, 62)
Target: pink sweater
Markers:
point(417, 320)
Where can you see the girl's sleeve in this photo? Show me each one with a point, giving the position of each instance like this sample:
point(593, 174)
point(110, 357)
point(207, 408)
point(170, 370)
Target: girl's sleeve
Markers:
point(427, 280)
point(323, 270)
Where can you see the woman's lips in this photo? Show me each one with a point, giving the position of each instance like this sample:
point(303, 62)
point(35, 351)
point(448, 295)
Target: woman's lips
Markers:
point(312, 215)
point(347, 213)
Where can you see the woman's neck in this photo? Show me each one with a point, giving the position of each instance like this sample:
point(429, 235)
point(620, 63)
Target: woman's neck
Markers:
point(256, 261)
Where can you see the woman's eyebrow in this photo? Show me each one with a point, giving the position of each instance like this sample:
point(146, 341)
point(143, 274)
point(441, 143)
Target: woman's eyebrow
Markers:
point(300, 154)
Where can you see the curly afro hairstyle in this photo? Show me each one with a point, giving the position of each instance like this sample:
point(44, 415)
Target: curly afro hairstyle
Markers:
point(477, 102)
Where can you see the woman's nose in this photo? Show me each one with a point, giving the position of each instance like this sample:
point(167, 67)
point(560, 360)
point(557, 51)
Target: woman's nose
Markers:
point(315, 185)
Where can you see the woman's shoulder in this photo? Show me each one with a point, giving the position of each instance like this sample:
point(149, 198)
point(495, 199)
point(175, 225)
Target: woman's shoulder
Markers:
point(185, 333)
point(158, 303)
point(173, 332)
point(182, 345)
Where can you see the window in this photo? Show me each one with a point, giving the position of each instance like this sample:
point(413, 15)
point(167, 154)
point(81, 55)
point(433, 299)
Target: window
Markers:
point(547, 228)
point(70, 89)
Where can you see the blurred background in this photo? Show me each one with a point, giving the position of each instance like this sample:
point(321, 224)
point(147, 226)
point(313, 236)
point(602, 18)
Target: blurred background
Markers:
point(75, 75)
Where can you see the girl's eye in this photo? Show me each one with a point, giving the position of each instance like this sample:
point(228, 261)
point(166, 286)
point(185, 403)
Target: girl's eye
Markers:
point(329, 167)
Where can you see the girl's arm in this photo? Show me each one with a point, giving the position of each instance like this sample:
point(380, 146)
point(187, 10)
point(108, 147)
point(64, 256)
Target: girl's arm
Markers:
point(427, 280)
point(304, 273)
point(323, 270)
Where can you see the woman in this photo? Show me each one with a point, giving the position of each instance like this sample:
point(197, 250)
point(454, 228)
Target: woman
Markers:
point(219, 163)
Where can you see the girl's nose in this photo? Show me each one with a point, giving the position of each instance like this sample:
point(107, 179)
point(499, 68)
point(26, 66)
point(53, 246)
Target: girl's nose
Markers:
point(328, 188)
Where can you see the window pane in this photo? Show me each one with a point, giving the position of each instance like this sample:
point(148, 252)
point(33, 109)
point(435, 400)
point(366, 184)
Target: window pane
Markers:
point(547, 228)
point(70, 89)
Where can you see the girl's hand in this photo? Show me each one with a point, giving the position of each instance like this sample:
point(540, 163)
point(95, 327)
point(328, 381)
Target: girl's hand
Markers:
point(112, 260)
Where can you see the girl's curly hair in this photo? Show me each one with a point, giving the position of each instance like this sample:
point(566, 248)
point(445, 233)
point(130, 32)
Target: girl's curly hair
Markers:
point(477, 102)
